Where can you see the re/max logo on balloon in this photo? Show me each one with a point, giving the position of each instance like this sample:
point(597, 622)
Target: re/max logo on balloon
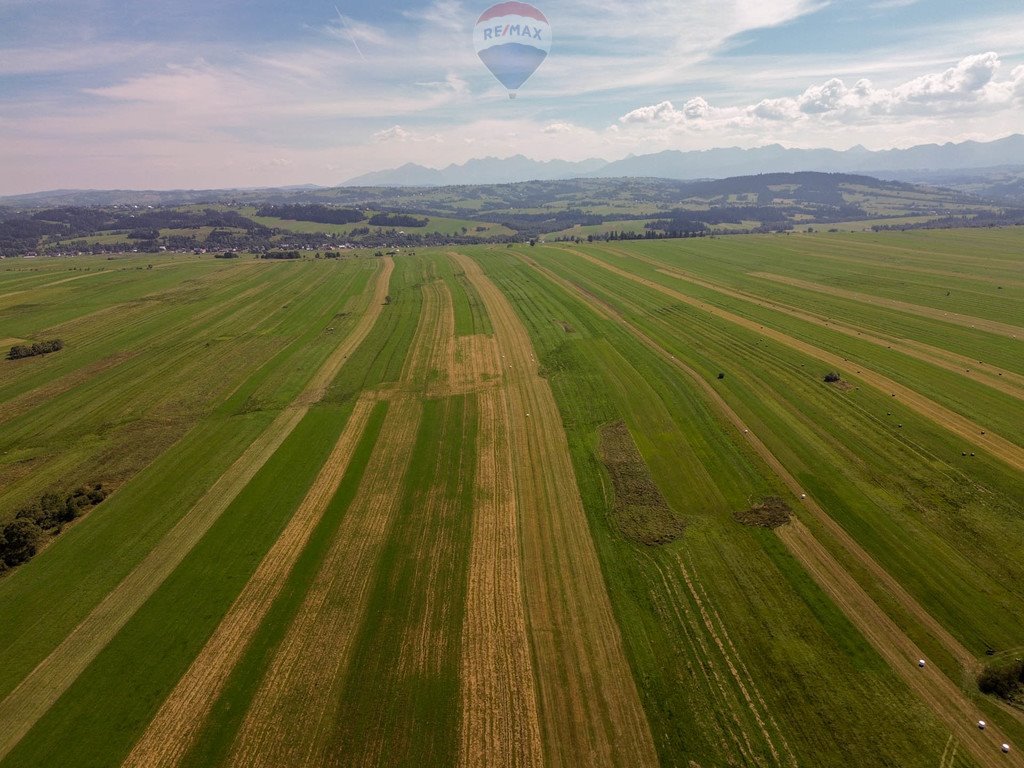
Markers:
point(513, 30)
point(512, 39)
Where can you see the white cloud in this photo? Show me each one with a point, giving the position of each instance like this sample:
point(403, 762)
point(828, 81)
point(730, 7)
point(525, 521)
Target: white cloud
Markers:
point(969, 87)
point(397, 133)
point(664, 112)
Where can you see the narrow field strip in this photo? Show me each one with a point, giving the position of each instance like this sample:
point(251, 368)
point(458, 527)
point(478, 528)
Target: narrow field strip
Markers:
point(934, 688)
point(292, 717)
point(500, 722)
point(173, 730)
point(954, 318)
point(23, 707)
point(19, 404)
point(50, 285)
point(1006, 382)
point(1000, 447)
point(400, 704)
point(590, 708)
point(414, 369)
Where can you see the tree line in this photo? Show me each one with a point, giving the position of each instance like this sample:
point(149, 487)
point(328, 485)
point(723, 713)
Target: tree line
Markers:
point(19, 351)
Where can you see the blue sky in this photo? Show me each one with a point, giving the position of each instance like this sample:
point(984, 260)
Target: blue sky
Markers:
point(125, 93)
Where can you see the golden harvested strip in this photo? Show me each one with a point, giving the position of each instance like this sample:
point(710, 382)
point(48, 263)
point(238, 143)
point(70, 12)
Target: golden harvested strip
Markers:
point(590, 709)
point(500, 723)
point(23, 706)
point(1000, 447)
point(945, 699)
point(173, 731)
point(476, 365)
point(967, 321)
point(292, 715)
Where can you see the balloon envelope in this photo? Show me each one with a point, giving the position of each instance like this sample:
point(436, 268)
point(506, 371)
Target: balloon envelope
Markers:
point(512, 39)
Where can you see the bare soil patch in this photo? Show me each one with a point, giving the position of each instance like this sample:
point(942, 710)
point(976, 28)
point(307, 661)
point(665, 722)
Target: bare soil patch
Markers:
point(641, 513)
point(771, 512)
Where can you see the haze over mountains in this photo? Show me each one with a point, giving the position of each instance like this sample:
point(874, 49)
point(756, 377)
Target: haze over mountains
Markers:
point(898, 164)
point(992, 171)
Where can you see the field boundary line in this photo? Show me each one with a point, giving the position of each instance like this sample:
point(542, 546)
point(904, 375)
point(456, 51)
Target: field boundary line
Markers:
point(33, 697)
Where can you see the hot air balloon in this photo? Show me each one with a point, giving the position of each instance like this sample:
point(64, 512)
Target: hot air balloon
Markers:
point(512, 39)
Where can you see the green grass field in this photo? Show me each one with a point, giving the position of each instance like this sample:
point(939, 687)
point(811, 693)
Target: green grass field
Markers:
point(379, 441)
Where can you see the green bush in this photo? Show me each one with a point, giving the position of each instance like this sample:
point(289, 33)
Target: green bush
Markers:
point(1005, 681)
point(21, 539)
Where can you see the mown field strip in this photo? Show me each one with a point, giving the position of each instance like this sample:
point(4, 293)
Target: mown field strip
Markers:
point(434, 352)
point(1000, 447)
point(23, 707)
point(590, 708)
point(292, 716)
point(1006, 382)
point(963, 656)
point(50, 285)
point(888, 266)
point(941, 694)
point(173, 730)
point(500, 724)
point(954, 318)
point(938, 691)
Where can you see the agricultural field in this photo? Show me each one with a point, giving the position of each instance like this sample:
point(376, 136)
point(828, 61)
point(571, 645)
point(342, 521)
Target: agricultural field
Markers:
point(513, 505)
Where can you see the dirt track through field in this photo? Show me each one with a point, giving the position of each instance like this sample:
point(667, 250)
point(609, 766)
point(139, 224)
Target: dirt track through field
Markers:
point(292, 715)
point(948, 702)
point(954, 318)
point(1000, 447)
point(589, 706)
point(23, 707)
point(176, 725)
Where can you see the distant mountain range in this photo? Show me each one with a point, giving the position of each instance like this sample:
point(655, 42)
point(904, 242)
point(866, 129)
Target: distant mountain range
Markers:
point(992, 170)
point(897, 164)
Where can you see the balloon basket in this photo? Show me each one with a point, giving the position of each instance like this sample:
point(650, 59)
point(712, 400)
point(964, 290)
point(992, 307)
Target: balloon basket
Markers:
point(511, 94)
